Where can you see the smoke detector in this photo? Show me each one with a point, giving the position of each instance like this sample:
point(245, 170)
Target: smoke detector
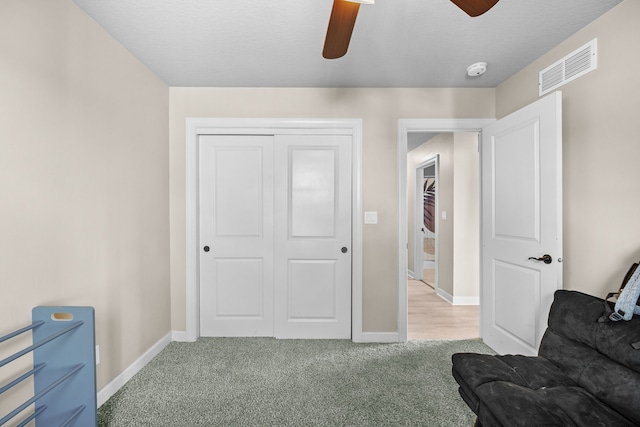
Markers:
point(474, 70)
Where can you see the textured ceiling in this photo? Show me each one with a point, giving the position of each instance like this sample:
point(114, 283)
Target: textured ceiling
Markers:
point(396, 43)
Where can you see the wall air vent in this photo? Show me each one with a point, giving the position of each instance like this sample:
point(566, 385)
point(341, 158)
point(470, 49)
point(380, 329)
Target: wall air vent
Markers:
point(576, 64)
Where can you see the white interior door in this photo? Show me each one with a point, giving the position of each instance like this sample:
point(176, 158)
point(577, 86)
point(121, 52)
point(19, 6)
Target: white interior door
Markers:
point(522, 219)
point(313, 236)
point(236, 235)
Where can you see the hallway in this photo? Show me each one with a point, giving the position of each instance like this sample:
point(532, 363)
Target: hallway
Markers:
point(430, 317)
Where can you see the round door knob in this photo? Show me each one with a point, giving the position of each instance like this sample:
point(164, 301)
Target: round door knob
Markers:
point(206, 248)
point(344, 249)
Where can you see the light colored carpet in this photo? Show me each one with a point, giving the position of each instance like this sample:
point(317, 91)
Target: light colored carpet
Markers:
point(269, 382)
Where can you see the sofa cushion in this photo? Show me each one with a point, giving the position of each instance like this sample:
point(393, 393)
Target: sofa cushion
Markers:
point(513, 405)
point(530, 372)
point(474, 370)
point(575, 315)
point(611, 382)
point(596, 356)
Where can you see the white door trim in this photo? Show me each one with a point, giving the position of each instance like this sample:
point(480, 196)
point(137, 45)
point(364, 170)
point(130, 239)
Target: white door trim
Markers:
point(204, 126)
point(404, 127)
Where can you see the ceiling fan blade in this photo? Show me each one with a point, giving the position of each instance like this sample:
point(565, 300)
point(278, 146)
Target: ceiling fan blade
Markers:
point(475, 7)
point(343, 18)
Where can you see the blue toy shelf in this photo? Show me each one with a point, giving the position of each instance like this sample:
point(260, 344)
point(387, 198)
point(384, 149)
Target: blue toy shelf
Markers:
point(64, 368)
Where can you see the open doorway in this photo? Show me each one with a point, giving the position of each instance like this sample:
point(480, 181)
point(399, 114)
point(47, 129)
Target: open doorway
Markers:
point(424, 224)
point(509, 170)
point(428, 232)
point(443, 235)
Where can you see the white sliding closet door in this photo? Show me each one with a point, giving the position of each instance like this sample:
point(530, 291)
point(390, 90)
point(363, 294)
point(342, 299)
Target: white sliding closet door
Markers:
point(275, 235)
point(236, 235)
point(313, 236)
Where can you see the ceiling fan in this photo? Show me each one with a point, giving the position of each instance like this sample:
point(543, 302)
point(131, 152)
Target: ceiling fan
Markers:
point(344, 14)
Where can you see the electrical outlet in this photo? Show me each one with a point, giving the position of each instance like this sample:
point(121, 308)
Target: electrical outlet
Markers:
point(97, 355)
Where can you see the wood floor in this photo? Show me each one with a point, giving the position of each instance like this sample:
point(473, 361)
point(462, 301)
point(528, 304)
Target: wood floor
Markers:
point(431, 317)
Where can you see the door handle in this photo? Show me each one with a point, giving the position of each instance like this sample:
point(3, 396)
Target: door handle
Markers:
point(546, 258)
point(206, 248)
point(344, 250)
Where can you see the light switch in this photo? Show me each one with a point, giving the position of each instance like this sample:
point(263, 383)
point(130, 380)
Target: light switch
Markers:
point(371, 217)
point(444, 215)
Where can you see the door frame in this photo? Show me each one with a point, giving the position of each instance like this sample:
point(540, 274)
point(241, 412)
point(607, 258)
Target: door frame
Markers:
point(246, 126)
point(421, 125)
point(418, 223)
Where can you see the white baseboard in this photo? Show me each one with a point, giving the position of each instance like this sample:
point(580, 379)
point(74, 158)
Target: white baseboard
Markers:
point(466, 300)
point(411, 274)
point(379, 337)
point(182, 336)
point(444, 295)
point(457, 300)
point(115, 385)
